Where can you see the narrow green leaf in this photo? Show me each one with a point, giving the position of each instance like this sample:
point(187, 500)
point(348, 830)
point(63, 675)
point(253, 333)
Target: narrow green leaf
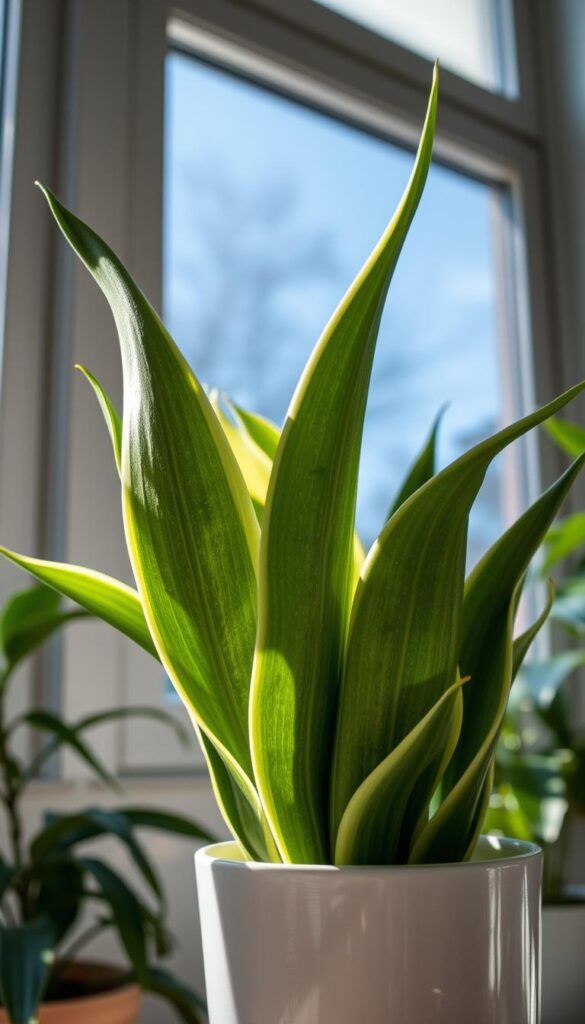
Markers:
point(113, 421)
point(67, 736)
point(452, 832)
point(127, 912)
point(189, 1005)
point(372, 829)
point(422, 469)
point(239, 803)
point(523, 643)
point(306, 553)
point(109, 599)
point(28, 618)
point(190, 526)
point(488, 592)
point(26, 954)
point(405, 634)
point(165, 821)
point(262, 431)
point(57, 893)
point(569, 436)
point(65, 831)
point(254, 463)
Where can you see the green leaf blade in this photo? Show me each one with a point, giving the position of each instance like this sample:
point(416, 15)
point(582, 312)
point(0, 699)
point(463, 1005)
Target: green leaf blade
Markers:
point(101, 595)
point(190, 526)
point(372, 829)
point(307, 555)
point(404, 641)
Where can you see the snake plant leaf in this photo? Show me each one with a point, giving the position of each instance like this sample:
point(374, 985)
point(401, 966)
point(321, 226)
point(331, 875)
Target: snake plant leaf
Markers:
point(239, 804)
point(251, 438)
point(372, 829)
point(107, 598)
point(109, 412)
point(253, 461)
point(405, 633)
point(306, 551)
point(26, 955)
point(569, 436)
point(453, 831)
point(488, 592)
point(422, 469)
point(262, 431)
point(523, 642)
point(191, 531)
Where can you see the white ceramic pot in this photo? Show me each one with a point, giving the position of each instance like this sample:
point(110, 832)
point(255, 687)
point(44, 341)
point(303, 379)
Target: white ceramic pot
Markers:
point(563, 963)
point(444, 944)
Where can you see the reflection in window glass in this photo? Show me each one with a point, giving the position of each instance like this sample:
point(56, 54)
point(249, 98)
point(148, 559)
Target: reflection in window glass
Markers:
point(463, 34)
point(270, 210)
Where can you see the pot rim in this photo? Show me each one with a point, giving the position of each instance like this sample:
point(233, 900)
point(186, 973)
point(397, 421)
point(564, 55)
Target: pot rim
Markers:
point(498, 851)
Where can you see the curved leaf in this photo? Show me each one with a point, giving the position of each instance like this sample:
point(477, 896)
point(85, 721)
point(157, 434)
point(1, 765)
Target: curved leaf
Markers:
point(488, 592)
point(28, 618)
point(113, 421)
point(372, 829)
point(189, 1005)
point(26, 954)
point(190, 526)
point(103, 596)
point(405, 634)
point(165, 821)
point(262, 431)
point(127, 912)
point(65, 831)
point(569, 436)
point(306, 551)
point(422, 469)
point(64, 735)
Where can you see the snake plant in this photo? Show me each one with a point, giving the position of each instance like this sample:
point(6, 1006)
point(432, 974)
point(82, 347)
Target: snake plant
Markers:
point(348, 712)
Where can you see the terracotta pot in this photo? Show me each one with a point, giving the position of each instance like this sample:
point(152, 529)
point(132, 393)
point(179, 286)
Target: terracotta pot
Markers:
point(563, 962)
point(119, 1006)
point(447, 943)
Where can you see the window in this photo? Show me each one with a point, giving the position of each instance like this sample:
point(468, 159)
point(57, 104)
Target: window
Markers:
point(466, 35)
point(261, 242)
point(258, 113)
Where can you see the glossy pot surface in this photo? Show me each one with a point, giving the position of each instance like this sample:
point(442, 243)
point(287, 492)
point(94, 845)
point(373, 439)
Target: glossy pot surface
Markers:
point(119, 1006)
point(447, 944)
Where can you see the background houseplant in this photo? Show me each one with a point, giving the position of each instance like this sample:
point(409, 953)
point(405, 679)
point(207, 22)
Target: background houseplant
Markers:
point(332, 705)
point(55, 896)
point(539, 791)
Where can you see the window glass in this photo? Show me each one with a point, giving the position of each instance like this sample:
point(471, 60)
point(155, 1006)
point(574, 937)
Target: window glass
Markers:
point(269, 211)
point(463, 34)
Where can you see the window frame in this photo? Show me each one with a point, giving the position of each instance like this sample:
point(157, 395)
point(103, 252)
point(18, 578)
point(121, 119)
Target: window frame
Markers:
point(107, 162)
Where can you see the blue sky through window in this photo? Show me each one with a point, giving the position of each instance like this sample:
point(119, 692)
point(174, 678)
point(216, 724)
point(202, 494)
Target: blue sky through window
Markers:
point(269, 211)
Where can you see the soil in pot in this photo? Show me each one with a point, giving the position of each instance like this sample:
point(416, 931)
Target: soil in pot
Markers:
point(92, 993)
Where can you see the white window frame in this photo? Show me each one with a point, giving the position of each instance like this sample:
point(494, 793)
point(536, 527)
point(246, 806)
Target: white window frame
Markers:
point(95, 68)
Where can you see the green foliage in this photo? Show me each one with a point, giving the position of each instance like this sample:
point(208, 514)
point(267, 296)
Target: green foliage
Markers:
point(540, 765)
point(47, 884)
point(327, 691)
